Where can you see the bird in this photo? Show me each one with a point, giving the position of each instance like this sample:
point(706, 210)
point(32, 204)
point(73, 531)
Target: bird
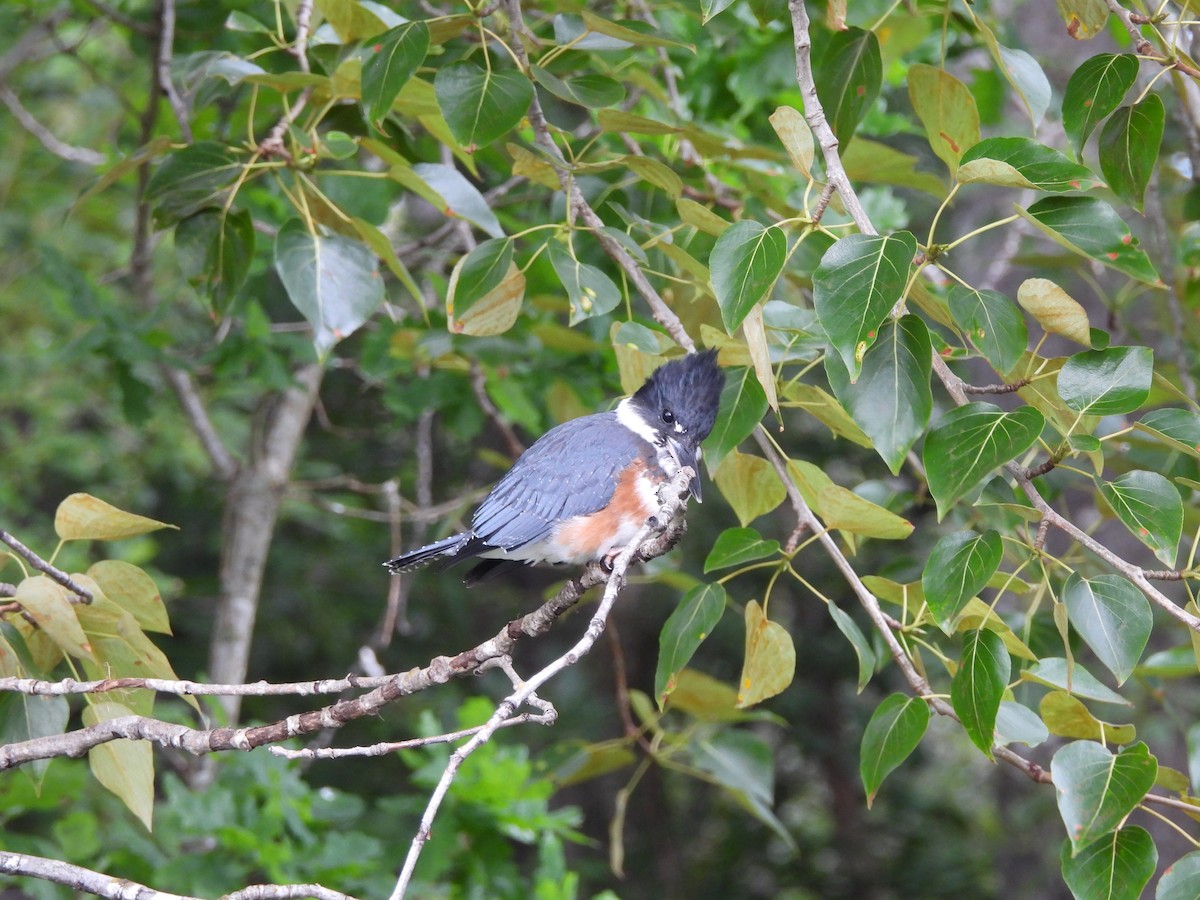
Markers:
point(585, 488)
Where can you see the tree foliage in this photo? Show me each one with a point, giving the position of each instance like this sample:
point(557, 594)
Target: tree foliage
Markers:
point(342, 258)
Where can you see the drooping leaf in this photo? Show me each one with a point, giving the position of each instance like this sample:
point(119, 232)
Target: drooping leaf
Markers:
point(1097, 789)
point(796, 137)
point(1113, 617)
point(978, 686)
point(893, 733)
point(1107, 382)
point(1017, 724)
point(1091, 228)
point(1151, 509)
point(1179, 427)
point(394, 56)
point(891, 400)
point(958, 568)
point(1055, 310)
point(589, 291)
point(1117, 867)
point(26, 717)
point(970, 442)
point(685, 629)
point(1056, 672)
point(750, 485)
point(843, 510)
point(82, 517)
point(1094, 90)
point(737, 546)
point(1066, 716)
point(459, 198)
point(134, 591)
point(1129, 145)
point(591, 90)
point(862, 647)
point(481, 105)
point(770, 663)
point(848, 73)
point(745, 262)
point(743, 764)
point(1025, 74)
point(215, 249)
point(875, 162)
point(332, 280)
point(478, 274)
point(743, 404)
point(754, 333)
point(947, 110)
point(699, 216)
point(124, 767)
point(46, 602)
point(825, 409)
point(992, 323)
point(496, 311)
point(1023, 163)
point(192, 178)
point(860, 278)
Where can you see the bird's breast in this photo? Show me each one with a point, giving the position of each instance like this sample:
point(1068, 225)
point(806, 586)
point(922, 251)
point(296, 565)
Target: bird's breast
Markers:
point(635, 499)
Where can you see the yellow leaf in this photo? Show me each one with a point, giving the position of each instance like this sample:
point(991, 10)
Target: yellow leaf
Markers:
point(699, 216)
point(846, 511)
point(46, 603)
point(496, 311)
point(1066, 716)
point(793, 131)
point(133, 590)
point(825, 408)
point(755, 332)
point(124, 767)
point(750, 485)
point(82, 517)
point(770, 662)
point(1055, 310)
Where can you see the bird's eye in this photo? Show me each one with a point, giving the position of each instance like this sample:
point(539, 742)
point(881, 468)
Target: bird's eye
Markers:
point(668, 416)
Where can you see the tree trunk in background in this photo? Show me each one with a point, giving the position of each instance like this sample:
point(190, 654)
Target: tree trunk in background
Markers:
point(251, 507)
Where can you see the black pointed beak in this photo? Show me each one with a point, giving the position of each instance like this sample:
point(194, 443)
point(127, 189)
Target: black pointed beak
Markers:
point(689, 455)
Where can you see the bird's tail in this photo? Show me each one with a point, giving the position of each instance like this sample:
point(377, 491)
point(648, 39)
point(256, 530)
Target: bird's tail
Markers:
point(414, 559)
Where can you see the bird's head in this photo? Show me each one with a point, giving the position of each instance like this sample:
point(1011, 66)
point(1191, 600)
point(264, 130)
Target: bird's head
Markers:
point(679, 403)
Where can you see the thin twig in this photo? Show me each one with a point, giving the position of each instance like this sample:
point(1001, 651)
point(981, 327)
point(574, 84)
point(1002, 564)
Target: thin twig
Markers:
point(995, 388)
point(479, 388)
point(46, 138)
point(272, 144)
point(163, 57)
point(42, 566)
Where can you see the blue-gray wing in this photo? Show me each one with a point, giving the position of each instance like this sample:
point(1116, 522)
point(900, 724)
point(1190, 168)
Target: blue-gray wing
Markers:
point(571, 470)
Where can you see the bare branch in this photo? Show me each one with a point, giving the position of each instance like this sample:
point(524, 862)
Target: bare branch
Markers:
point(162, 61)
point(1140, 44)
point(46, 138)
point(42, 566)
point(272, 144)
point(223, 463)
point(995, 388)
point(479, 387)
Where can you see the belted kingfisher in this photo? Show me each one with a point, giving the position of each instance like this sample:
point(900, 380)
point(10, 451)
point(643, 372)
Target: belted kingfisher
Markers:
point(585, 487)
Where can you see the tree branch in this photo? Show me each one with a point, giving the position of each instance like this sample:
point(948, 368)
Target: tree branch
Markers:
point(42, 566)
point(223, 463)
point(46, 138)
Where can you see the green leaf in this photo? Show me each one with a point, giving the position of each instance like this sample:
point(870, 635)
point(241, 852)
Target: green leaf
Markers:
point(1026, 76)
point(743, 764)
point(1017, 724)
point(481, 105)
point(124, 767)
point(1150, 508)
point(891, 400)
point(460, 199)
point(750, 485)
point(862, 647)
point(848, 73)
point(1113, 617)
point(970, 442)
point(656, 173)
point(1107, 382)
point(394, 56)
point(1129, 147)
point(959, 567)
point(1095, 89)
point(874, 162)
point(45, 602)
point(795, 136)
point(478, 273)
point(844, 510)
point(979, 684)
point(1055, 310)
point(333, 281)
point(1115, 868)
point(947, 110)
point(699, 216)
point(1178, 427)
point(134, 591)
point(635, 36)
point(191, 179)
point(770, 663)
point(893, 733)
point(992, 323)
point(737, 546)
point(710, 8)
point(860, 278)
point(82, 517)
point(25, 717)
point(1097, 790)
point(745, 261)
point(1181, 880)
point(825, 409)
point(496, 311)
point(1056, 672)
point(683, 632)
point(1066, 716)
point(1023, 163)
point(1091, 228)
point(743, 404)
point(592, 90)
point(590, 291)
point(215, 249)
